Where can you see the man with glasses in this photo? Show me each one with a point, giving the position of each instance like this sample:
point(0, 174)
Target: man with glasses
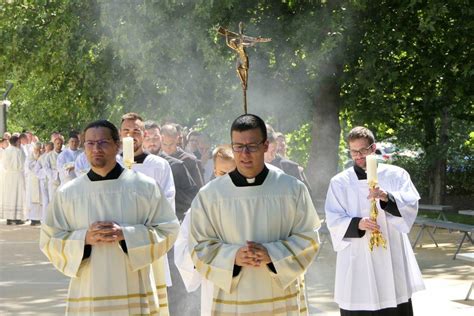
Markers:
point(382, 281)
point(105, 229)
point(254, 231)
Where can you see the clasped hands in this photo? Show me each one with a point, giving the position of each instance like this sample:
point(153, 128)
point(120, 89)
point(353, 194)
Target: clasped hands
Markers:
point(252, 255)
point(104, 232)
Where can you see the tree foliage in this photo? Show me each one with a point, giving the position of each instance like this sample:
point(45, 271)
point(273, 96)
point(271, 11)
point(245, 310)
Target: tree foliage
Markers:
point(402, 68)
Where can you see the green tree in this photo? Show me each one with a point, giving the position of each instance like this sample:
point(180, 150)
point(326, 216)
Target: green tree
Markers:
point(412, 79)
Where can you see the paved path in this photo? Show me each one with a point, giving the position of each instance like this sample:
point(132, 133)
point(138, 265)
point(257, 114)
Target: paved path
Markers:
point(29, 285)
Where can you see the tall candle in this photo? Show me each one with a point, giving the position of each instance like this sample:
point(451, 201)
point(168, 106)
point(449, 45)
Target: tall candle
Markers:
point(128, 152)
point(371, 163)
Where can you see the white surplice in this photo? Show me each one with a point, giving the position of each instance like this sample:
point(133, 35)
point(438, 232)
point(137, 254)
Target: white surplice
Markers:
point(81, 165)
point(280, 215)
point(110, 281)
point(159, 170)
point(52, 173)
point(382, 278)
point(64, 162)
point(40, 172)
point(13, 189)
point(191, 278)
point(35, 201)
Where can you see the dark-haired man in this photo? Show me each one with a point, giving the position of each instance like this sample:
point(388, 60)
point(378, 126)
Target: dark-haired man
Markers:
point(51, 166)
point(66, 159)
point(105, 229)
point(254, 231)
point(186, 189)
point(170, 145)
point(382, 281)
point(157, 168)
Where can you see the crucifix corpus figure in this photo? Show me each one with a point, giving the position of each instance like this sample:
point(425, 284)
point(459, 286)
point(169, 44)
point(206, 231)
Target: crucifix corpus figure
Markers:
point(238, 42)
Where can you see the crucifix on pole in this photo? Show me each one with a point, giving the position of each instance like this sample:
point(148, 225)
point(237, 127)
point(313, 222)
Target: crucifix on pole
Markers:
point(238, 42)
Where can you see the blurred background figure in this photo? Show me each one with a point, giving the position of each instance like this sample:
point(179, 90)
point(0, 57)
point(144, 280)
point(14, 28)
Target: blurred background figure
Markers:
point(192, 140)
point(67, 158)
point(281, 144)
point(40, 172)
point(205, 154)
point(12, 192)
point(35, 208)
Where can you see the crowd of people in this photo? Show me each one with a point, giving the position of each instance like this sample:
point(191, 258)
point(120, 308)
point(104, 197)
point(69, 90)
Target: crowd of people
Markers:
point(240, 217)
point(38, 168)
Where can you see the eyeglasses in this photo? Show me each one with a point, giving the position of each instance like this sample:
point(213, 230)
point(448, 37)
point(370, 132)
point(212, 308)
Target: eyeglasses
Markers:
point(253, 147)
point(102, 143)
point(363, 151)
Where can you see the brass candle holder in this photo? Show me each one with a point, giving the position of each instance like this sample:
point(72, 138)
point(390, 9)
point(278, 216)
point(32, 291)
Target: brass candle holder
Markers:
point(376, 238)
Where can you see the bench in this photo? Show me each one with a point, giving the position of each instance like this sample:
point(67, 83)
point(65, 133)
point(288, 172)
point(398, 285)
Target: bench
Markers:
point(436, 223)
point(467, 257)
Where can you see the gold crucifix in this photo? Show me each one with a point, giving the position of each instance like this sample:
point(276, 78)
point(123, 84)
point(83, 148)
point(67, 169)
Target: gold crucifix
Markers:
point(238, 42)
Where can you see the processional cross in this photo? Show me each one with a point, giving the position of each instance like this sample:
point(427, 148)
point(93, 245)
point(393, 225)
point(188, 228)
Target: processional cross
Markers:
point(238, 42)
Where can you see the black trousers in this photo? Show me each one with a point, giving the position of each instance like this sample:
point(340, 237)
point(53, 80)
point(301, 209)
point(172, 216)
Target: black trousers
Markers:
point(403, 309)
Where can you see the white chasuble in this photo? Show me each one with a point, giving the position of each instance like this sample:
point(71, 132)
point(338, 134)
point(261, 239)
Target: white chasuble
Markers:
point(280, 215)
point(191, 278)
point(12, 185)
point(382, 278)
point(110, 281)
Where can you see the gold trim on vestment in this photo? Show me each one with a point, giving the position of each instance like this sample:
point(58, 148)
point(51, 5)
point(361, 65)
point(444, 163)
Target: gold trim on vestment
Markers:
point(208, 272)
point(129, 306)
point(311, 240)
point(152, 244)
point(47, 250)
point(262, 301)
point(63, 245)
point(161, 286)
point(112, 297)
point(278, 311)
point(285, 243)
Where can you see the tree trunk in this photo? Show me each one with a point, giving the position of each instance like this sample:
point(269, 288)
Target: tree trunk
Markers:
point(438, 183)
point(323, 160)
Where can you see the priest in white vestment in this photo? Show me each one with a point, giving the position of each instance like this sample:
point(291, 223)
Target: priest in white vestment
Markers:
point(36, 203)
point(41, 174)
point(81, 165)
point(254, 232)
point(382, 281)
point(51, 167)
point(105, 229)
point(157, 168)
point(12, 203)
point(223, 162)
point(66, 159)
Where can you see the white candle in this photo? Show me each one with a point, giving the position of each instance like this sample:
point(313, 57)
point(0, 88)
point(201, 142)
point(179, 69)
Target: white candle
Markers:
point(128, 152)
point(371, 163)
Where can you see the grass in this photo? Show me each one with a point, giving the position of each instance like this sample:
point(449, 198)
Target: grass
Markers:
point(452, 217)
